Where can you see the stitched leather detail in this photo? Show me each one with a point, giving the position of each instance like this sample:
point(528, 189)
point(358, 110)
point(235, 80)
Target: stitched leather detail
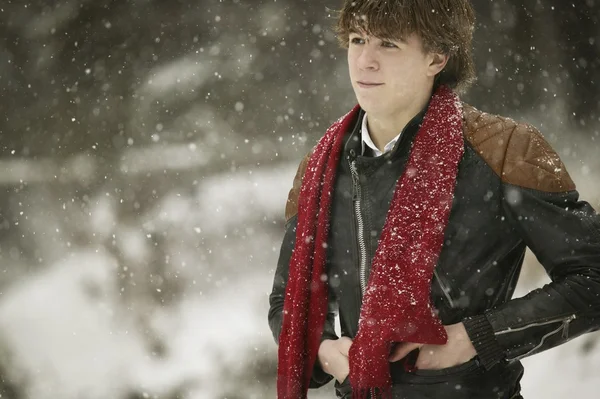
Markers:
point(516, 152)
point(291, 206)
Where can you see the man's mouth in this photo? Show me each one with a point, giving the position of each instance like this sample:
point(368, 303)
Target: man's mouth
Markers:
point(367, 84)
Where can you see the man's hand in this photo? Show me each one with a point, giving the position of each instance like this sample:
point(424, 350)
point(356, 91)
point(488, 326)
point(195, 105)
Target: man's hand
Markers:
point(333, 357)
point(457, 350)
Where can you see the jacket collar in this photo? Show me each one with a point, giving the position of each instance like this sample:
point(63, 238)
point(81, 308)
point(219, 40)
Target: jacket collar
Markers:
point(353, 147)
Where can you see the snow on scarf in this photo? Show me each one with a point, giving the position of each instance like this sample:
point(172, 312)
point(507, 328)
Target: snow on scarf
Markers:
point(396, 306)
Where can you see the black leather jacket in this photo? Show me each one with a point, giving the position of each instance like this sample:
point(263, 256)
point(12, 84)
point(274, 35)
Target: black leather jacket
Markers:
point(512, 192)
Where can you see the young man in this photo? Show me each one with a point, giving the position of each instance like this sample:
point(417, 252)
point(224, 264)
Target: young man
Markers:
point(410, 219)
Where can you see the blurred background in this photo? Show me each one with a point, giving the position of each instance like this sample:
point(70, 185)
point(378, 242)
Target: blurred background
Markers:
point(146, 152)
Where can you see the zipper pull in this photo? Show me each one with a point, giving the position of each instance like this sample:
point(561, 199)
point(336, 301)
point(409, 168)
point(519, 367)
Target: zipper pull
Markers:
point(565, 333)
point(354, 174)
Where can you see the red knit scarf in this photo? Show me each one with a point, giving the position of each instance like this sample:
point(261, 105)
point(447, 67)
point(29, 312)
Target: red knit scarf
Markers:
point(396, 306)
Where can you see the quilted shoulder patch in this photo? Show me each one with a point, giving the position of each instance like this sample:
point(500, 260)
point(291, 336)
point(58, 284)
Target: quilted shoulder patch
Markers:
point(517, 152)
point(291, 206)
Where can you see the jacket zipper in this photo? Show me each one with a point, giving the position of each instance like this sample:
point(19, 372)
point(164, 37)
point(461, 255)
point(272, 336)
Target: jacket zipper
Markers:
point(362, 245)
point(564, 326)
point(445, 289)
point(565, 320)
point(356, 196)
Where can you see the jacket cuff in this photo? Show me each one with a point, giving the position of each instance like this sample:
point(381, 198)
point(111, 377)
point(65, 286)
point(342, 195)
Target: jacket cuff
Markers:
point(482, 336)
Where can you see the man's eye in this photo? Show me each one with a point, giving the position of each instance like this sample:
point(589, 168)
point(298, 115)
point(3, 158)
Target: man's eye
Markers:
point(388, 44)
point(357, 40)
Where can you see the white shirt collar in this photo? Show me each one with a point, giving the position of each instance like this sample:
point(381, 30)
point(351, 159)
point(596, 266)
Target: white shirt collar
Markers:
point(366, 139)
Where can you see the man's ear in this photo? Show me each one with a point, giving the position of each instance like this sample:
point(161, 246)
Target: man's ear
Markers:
point(437, 63)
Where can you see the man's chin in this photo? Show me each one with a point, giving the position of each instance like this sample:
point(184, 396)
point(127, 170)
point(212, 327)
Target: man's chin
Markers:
point(372, 106)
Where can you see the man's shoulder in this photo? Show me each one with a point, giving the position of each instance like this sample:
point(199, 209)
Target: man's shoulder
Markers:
point(517, 152)
point(291, 207)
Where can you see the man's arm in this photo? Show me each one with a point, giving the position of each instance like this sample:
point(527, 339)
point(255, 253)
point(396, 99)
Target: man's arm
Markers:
point(564, 234)
point(276, 298)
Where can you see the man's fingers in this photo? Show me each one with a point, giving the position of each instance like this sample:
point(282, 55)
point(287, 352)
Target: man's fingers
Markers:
point(337, 365)
point(402, 350)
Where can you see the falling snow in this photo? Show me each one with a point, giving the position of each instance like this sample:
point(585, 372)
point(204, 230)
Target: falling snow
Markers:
point(148, 152)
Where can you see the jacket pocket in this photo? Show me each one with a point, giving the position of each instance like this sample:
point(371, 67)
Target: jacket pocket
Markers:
point(469, 366)
point(423, 376)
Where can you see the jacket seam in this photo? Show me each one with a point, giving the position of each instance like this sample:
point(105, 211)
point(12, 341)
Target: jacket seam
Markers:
point(541, 192)
point(595, 230)
point(512, 134)
point(482, 159)
point(290, 221)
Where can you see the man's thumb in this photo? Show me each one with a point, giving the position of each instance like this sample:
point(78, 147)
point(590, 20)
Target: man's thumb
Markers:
point(402, 349)
point(345, 344)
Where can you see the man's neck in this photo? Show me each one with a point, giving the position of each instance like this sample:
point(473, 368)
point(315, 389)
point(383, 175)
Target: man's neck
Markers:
point(383, 128)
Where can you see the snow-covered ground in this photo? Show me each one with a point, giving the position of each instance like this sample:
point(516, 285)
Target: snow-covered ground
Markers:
point(69, 332)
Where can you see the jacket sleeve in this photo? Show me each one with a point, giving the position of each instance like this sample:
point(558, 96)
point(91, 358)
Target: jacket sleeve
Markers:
point(276, 298)
point(564, 234)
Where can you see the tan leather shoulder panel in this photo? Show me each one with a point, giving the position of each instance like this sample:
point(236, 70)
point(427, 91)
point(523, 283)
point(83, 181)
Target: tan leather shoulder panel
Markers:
point(517, 152)
point(291, 206)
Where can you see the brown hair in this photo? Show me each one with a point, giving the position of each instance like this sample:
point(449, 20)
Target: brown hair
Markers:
point(444, 26)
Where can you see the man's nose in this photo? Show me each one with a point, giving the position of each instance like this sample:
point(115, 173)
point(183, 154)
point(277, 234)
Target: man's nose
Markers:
point(367, 59)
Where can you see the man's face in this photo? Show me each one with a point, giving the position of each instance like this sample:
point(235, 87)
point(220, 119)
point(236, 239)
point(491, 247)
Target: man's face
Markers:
point(387, 74)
